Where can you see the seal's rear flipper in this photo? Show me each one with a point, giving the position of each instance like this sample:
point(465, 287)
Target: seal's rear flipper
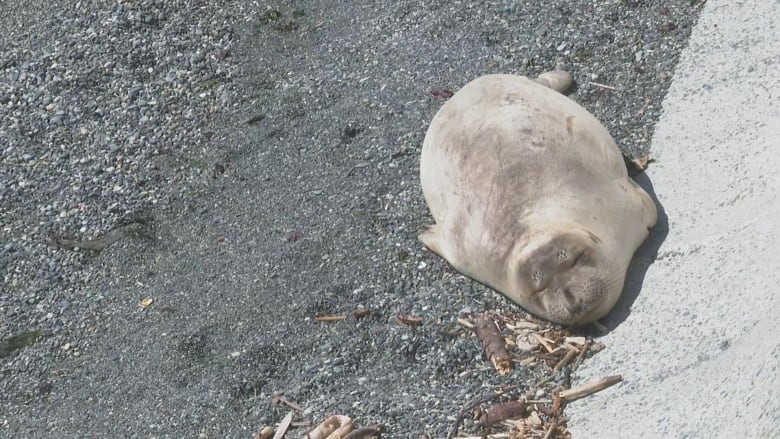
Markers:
point(430, 239)
point(557, 80)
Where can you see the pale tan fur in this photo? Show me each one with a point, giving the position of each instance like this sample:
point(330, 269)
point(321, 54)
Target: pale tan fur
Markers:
point(520, 181)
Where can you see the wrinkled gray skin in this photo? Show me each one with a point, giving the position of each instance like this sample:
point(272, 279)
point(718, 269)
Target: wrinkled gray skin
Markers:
point(531, 197)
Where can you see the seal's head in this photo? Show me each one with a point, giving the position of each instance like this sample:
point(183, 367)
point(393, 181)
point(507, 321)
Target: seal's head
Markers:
point(571, 278)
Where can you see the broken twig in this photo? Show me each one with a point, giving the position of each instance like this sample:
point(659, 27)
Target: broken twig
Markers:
point(545, 342)
point(283, 426)
point(604, 86)
point(328, 318)
point(570, 355)
point(409, 320)
point(581, 356)
point(553, 426)
point(279, 398)
point(590, 388)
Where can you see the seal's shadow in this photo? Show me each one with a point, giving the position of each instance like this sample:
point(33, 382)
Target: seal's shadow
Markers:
point(643, 258)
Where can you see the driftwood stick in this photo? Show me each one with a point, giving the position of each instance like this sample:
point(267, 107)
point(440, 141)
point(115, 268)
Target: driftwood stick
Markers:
point(466, 323)
point(96, 244)
point(329, 318)
point(502, 412)
point(604, 86)
point(590, 388)
point(344, 429)
point(409, 320)
point(283, 426)
point(544, 342)
point(581, 356)
point(524, 325)
point(331, 426)
point(467, 408)
point(566, 359)
point(551, 429)
point(372, 431)
point(493, 344)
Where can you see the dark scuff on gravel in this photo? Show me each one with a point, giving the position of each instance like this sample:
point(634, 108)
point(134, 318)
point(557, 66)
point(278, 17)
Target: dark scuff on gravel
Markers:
point(275, 146)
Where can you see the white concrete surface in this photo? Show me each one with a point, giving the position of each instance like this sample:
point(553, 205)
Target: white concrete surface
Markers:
point(700, 350)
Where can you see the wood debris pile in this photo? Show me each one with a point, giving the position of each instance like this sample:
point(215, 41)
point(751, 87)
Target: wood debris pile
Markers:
point(517, 411)
point(552, 354)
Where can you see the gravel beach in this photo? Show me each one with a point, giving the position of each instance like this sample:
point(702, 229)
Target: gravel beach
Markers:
point(256, 163)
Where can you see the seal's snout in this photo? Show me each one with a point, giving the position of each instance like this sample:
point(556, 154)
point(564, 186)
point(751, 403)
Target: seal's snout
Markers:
point(579, 301)
point(578, 304)
point(592, 303)
point(575, 302)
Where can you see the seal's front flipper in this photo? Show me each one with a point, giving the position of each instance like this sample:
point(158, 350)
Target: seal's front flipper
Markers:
point(430, 239)
point(557, 80)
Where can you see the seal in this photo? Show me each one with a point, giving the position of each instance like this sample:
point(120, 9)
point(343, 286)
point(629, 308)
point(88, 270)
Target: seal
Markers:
point(530, 195)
